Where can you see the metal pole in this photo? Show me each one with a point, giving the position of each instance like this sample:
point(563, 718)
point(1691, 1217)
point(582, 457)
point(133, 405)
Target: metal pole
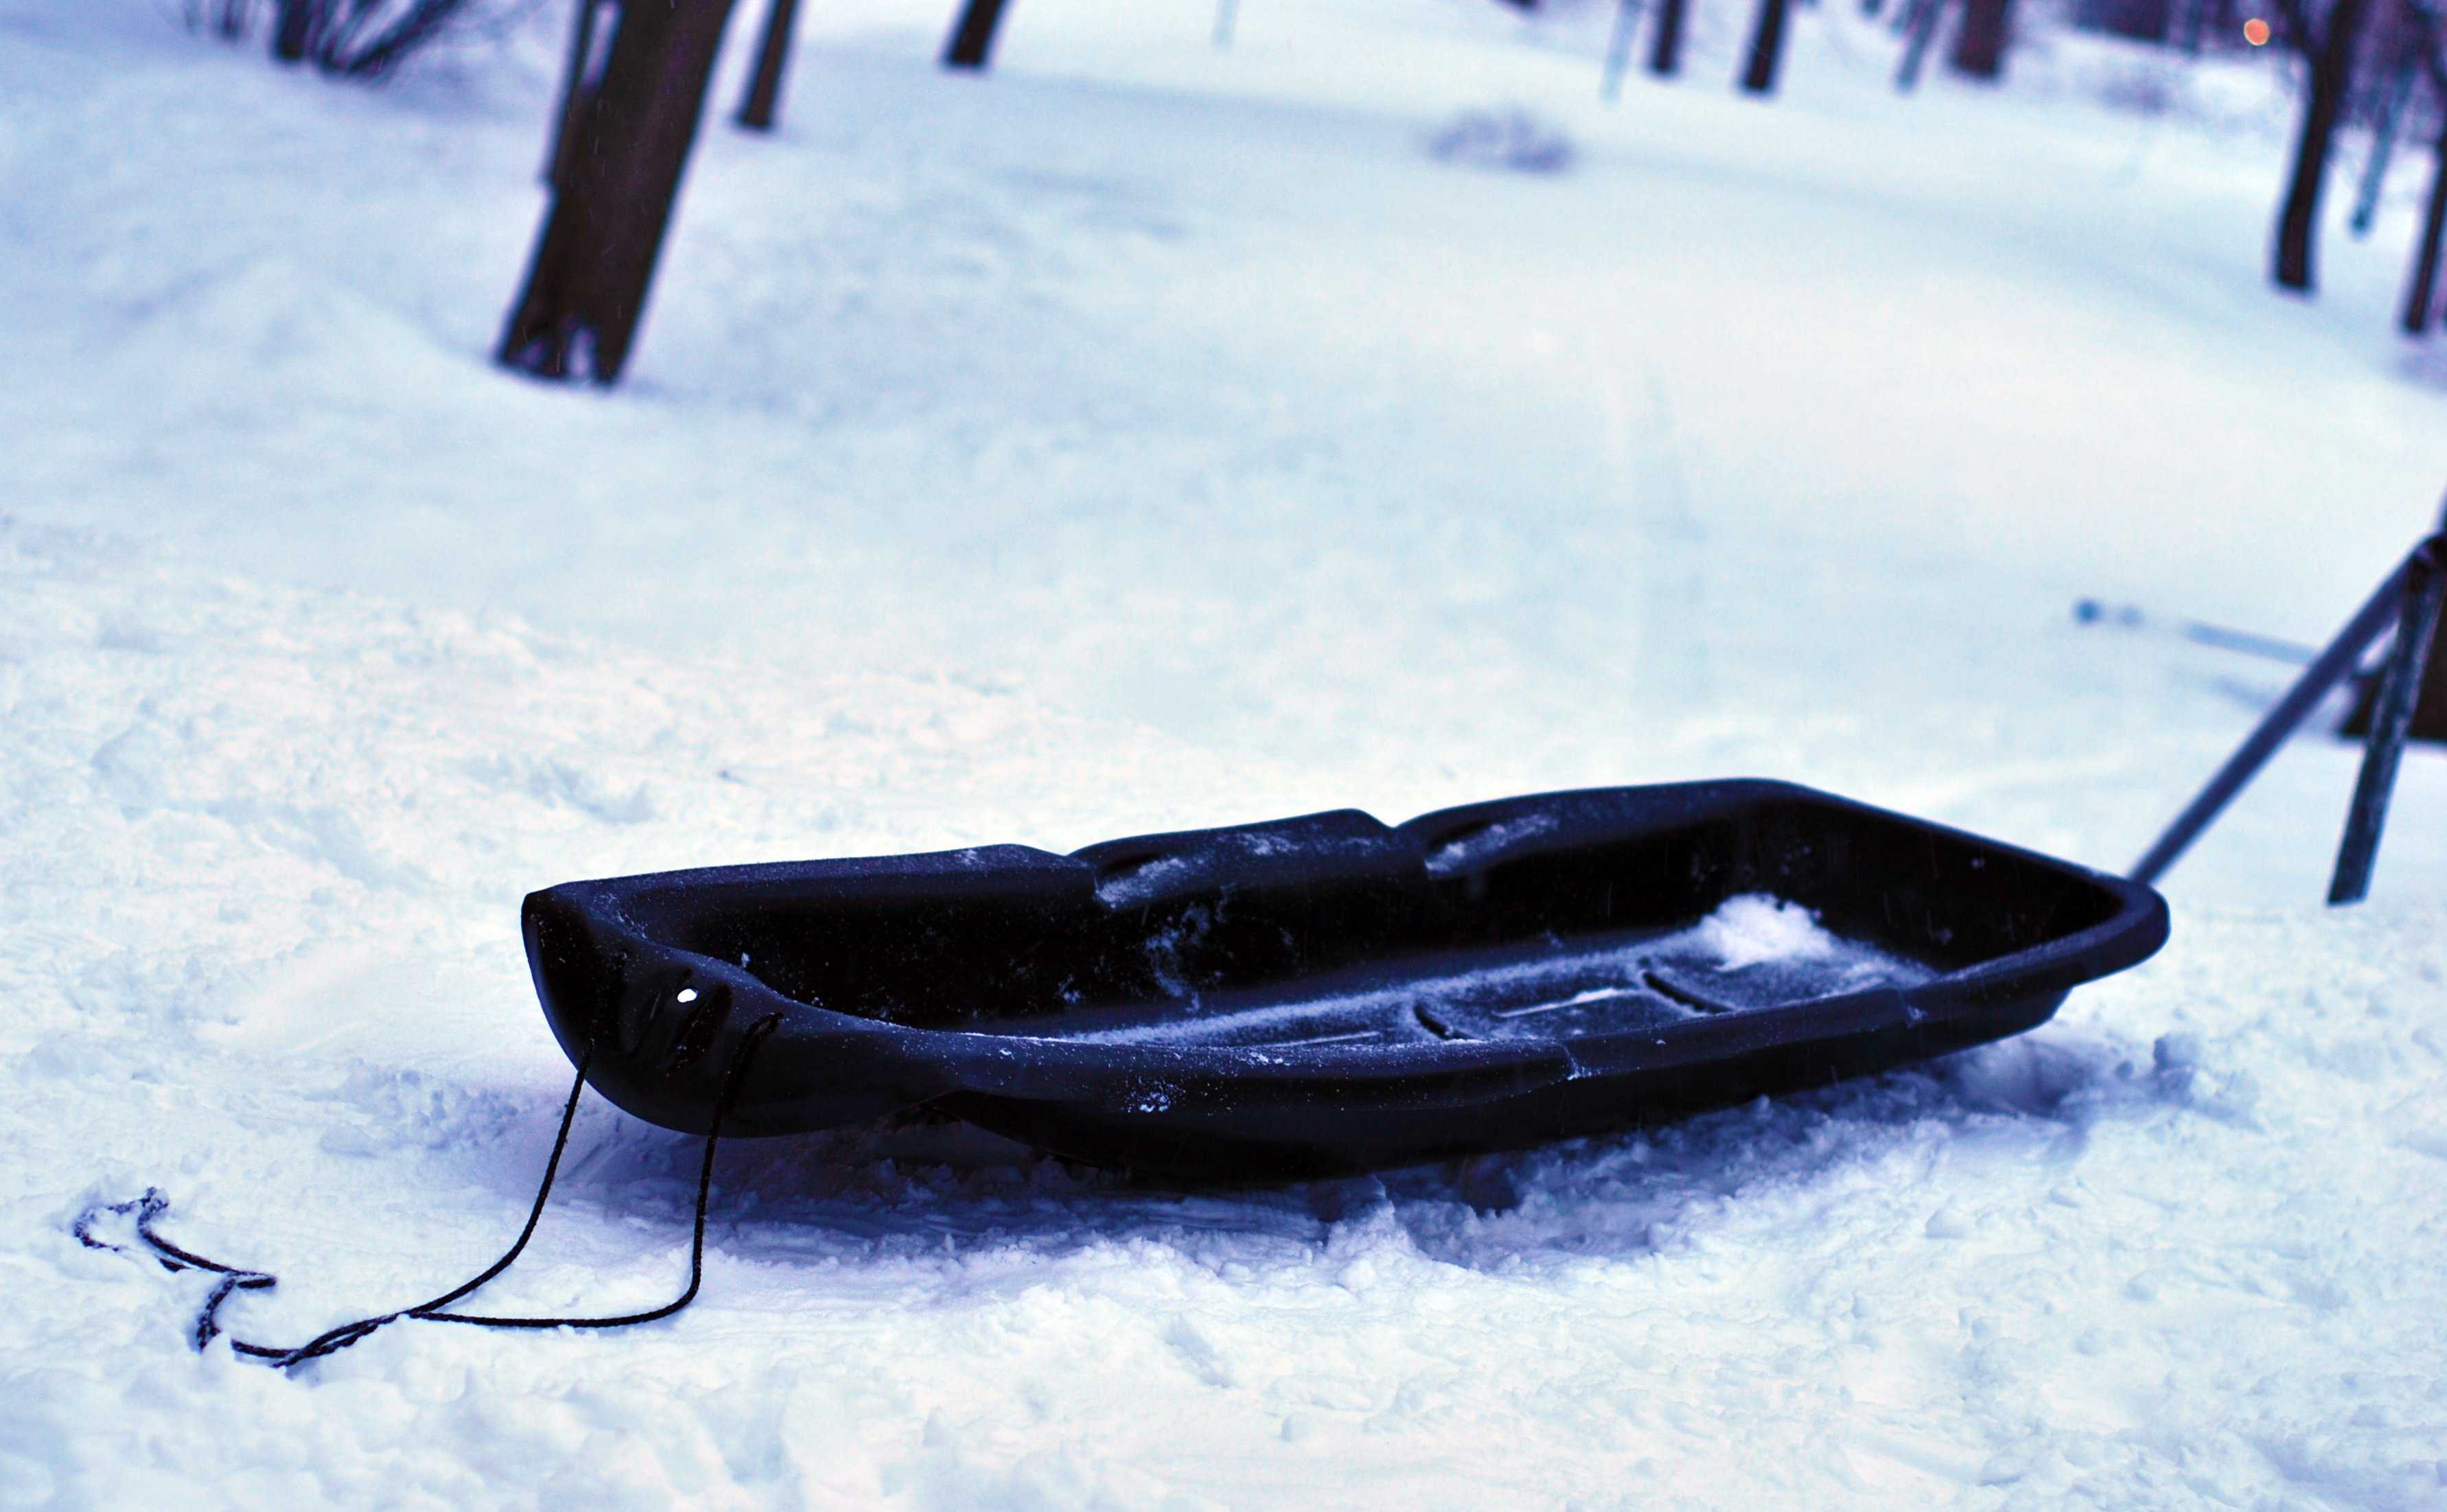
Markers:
point(764, 97)
point(574, 88)
point(2330, 669)
point(2425, 589)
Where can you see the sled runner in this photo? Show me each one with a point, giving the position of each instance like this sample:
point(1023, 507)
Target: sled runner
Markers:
point(1327, 993)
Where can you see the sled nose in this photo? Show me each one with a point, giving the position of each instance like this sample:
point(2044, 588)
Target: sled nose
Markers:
point(656, 1013)
point(578, 977)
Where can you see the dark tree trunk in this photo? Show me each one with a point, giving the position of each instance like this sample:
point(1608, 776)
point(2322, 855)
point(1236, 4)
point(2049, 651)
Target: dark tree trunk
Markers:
point(2421, 291)
point(1979, 43)
point(2195, 21)
point(2390, 114)
point(973, 40)
point(1618, 53)
point(596, 256)
point(2141, 20)
point(765, 89)
point(292, 29)
point(1665, 49)
point(2332, 74)
point(1920, 29)
point(1767, 46)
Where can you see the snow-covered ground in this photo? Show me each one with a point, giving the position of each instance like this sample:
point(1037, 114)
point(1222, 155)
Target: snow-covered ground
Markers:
point(1144, 437)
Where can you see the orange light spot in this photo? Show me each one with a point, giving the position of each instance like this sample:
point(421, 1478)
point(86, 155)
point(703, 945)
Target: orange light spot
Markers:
point(2256, 32)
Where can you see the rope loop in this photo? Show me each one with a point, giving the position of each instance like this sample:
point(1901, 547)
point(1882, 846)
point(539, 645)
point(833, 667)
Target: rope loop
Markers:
point(233, 1279)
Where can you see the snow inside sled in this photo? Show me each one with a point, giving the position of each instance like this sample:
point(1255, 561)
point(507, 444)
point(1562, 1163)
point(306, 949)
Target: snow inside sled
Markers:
point(1328, 995)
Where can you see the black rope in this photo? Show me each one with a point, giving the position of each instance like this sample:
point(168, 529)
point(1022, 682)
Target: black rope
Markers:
point(148, 1207)
point(152, 1204)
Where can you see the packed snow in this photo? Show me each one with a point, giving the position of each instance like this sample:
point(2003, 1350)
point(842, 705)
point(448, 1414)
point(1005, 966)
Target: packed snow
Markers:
point(1471, 848)
point(1756, 929)
point(1146, 436)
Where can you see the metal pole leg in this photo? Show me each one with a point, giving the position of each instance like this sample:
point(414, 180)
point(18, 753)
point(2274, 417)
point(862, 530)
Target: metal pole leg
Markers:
point(2425, 590)
point(575, 85)
point(2325, 672)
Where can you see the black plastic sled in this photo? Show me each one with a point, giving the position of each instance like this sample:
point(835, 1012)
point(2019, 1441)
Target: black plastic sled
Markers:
point(1327, 994)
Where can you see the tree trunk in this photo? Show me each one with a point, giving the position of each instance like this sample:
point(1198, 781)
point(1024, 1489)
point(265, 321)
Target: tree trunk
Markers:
point(2332, 72)
point(291, 28)
point(1979, 41)
point(2391, 107)
point(2195, 21)
point(973, 40)
point(1920, 29)
point(1618, 52)
point(1767, 46)
point(2141, 20)
point(2420, 290)
point(765, 89)
point(595, 254)
point(1665, 50)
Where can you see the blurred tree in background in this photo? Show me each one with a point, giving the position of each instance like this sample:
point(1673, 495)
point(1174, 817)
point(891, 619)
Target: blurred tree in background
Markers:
point(352, 39)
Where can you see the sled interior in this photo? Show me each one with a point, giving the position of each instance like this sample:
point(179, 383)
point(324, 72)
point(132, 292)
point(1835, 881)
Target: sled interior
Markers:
point(1558, 918)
